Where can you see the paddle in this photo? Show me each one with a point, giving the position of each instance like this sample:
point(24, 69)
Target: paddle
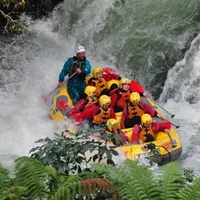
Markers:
point(174, 144)
point(64, 82)
point(172, 115)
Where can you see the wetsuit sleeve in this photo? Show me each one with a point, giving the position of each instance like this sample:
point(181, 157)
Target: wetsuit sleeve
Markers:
point(156, 127)
point(148, 109)
point(77, 107)
point(87, 69)
point(86, 114)
point(65, 69)
point(135, 134)
point(113, 100)
point(112, 113)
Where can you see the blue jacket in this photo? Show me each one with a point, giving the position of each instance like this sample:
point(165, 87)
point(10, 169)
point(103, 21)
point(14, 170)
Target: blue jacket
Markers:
point(86, 70)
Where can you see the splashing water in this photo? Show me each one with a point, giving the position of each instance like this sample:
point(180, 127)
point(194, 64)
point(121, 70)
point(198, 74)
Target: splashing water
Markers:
point(142, 38)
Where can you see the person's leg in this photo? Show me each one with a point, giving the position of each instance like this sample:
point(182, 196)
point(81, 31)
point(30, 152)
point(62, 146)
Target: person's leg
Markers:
point(73, 93)
point(129, 123)
point(82, 87)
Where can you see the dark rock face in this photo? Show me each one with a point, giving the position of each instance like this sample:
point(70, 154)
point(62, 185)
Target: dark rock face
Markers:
point(40, 8)
point(34, 8)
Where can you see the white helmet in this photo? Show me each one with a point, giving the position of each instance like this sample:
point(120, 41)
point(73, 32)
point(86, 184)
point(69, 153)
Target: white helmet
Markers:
point(80, 49)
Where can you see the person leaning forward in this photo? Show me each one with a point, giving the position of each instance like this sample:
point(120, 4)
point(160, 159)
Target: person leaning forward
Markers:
point(147, 130)
point(133, 111)
point(79, 65)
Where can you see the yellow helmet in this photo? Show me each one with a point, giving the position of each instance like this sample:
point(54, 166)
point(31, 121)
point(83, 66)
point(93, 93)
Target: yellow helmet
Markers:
point(104, 99)
point(146, 119)
point(111, 123)
point(135, 97)
point(124, 80)
point(113, 82)
point(96, 70)
point(89, 90)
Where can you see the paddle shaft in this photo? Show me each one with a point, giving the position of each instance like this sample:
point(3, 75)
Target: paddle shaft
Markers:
point(172, 115)
point(172, 140)
point(65, 81)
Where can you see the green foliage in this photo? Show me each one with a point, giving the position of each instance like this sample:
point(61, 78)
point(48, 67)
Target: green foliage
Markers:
point(35, 177)
point(7, 188)
point(72, 154)
point(171, 180)
point(132, 181)
point(5, 181)
point(13, 193)
point(189, 174)
point(10, 20)
point(190, 192)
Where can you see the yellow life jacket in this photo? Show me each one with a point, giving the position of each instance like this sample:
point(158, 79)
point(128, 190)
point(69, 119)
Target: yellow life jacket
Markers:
point(102, 117)
point(144, 132)
point(134, 110)
point(100, 85)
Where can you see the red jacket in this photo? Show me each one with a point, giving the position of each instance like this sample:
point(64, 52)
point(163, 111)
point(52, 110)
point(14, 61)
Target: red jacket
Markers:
point(147, 109)
point(77, 108)
point(136, 87)
point(88, 113)
point(116, 96)
point(156, 127)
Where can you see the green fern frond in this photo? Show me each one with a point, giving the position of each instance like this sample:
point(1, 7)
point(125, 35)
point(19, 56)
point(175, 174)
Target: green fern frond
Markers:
point(132, 181)
point(190, 192)
point(170, 180)
point(34, 176)
point(5, 181)
point(68, 192)
point(114, 174)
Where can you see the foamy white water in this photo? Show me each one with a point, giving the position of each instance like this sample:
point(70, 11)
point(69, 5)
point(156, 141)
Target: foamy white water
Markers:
point(31, 64)
point(182, 93)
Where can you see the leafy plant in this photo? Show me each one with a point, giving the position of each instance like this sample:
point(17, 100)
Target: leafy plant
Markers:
point(189, 174)
point(134, 181)
point(8, 10)
point(72, 153)
point(5, 180)
point(35, 177)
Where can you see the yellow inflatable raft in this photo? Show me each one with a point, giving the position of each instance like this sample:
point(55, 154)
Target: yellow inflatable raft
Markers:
point(57, 114)
point(168, 147)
